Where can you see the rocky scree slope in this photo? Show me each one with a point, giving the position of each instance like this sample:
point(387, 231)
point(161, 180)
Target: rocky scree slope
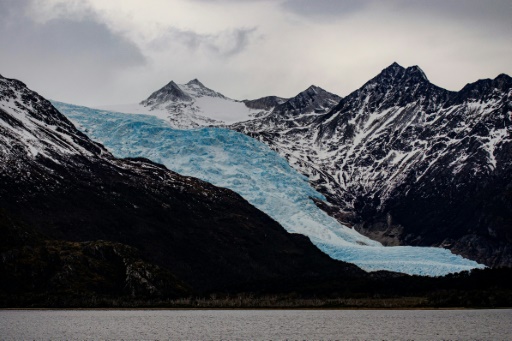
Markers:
point(63, 188)
point(409, 163)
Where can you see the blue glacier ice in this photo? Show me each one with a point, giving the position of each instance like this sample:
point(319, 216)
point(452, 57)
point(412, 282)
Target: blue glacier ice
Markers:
point(229, 159)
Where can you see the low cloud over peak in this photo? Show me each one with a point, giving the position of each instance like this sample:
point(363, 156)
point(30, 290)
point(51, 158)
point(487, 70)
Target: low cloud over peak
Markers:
point(98, 52)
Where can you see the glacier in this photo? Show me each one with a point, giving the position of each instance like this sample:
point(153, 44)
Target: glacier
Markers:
point(232, 160)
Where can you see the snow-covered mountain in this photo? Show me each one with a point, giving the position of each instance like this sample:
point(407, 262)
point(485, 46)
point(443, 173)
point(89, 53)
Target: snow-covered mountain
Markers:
point(250, 168)
point(407, 162)
point(68, 205)
point(193, 105)
point(32, 129)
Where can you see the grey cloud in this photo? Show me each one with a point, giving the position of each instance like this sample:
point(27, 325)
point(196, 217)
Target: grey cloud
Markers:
point(324, 9)
point(225, 44)
point(232, 1)
point(55, 54)
point(497, 9)
point(490, 20)
point(495, 13)
point(63, 38)
point(12, 9)
point(240, 39)
point(491, 15)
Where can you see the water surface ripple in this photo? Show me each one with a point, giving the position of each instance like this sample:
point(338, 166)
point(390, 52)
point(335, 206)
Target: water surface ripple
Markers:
point(256, 324)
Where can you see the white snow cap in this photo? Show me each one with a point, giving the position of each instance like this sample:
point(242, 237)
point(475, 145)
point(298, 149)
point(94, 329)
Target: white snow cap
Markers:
point(189, 105)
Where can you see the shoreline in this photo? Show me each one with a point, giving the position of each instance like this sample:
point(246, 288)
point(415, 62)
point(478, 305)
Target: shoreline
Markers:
point(246, 309)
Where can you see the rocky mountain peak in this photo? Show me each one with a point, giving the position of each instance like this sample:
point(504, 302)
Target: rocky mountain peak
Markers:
point(313, 98)
point(396, 86)
point(196, 82)
point(170, 87)
point(169, 93)
point(392, 71)
point(484, 89)
point(314, 89)
point(503, 77)
point(416, 73)
point(396, 74)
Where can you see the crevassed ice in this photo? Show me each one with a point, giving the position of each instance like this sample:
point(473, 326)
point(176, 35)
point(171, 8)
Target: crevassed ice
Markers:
point(229, 159)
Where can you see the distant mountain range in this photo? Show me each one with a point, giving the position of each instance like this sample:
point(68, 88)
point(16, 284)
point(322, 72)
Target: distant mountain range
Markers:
point(192, 105)
point(406, 162)
point(400, 160)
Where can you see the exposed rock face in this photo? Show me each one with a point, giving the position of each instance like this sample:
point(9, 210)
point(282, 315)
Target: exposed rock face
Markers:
point(407, 162)
point(62, 186)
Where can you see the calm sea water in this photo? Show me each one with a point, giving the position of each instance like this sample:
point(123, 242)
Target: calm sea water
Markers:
point(257, 324)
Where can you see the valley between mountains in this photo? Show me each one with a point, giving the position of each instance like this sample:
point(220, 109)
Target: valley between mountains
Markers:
point(399, 160)
point(190, 192)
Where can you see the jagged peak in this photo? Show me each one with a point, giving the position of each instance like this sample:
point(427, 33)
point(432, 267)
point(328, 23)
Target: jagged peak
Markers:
point(503, 77)
point(503, 81)
point(394, 65)
point(313, 89)
point(170, 85)
point(170, 92)
point(393, 68)
point(313, 95)
point(476, 89)
point(12, 80)
point(195, 81)
point(416, 71)
point(390, 72)
point(395, 73)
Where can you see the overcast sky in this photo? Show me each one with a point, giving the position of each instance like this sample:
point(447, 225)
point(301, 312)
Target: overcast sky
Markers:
point(99, 52)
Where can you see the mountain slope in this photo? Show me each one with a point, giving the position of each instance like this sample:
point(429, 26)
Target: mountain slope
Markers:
point(193, 105)
point(229, 159)
point(62, 186)
point(409, 163)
